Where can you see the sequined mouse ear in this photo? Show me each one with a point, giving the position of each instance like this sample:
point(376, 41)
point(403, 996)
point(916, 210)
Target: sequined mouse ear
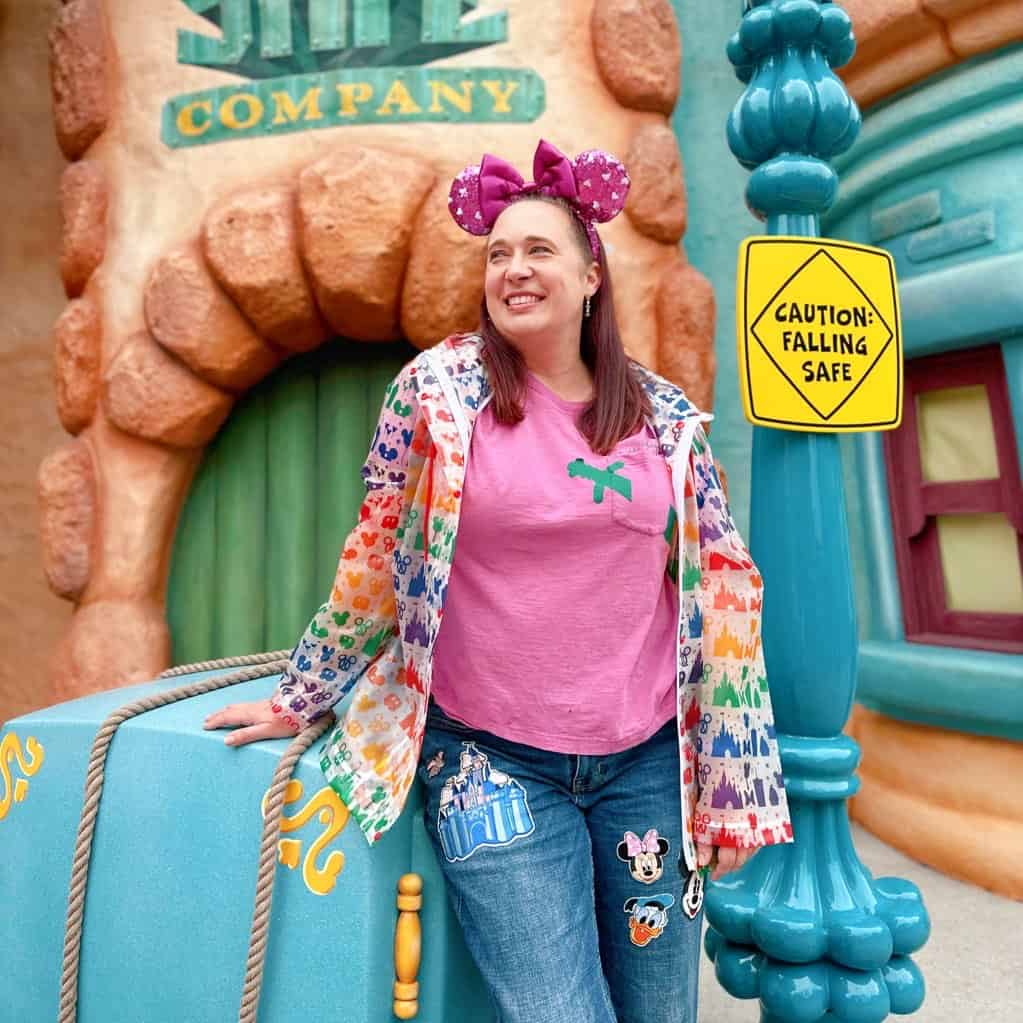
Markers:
point(603, 184)
point(464, 202)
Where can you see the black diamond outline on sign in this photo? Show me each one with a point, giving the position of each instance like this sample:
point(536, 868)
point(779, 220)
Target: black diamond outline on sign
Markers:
point(866, 298)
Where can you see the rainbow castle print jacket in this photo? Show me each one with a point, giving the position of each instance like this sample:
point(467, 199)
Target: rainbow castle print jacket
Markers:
point(377, 630)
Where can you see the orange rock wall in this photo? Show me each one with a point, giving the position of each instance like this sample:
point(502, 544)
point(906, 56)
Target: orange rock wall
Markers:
point(903, 41)
point(188, 279)
point(928, 792)
point(32, 618)
point(192, 273)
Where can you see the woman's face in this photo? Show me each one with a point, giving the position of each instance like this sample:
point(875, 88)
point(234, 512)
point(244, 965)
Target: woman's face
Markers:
point(537, 276)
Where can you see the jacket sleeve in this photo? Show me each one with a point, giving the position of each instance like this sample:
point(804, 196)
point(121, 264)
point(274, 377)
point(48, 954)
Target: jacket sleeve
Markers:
point(349, 631)
point(741, 800)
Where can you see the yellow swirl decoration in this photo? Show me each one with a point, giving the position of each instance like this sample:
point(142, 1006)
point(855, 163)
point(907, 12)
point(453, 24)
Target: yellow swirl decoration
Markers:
point(10, 750)
point(333, 815)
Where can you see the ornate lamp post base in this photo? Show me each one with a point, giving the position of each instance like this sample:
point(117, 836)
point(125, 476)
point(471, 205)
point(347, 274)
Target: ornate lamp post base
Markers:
point(810, 992)
point(805, 928)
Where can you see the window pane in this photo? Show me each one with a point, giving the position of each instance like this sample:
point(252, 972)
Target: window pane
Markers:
point(957, 437)
point(980, 563)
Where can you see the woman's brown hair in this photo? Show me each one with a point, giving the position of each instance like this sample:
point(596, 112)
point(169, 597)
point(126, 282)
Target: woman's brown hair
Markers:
point(619, 402)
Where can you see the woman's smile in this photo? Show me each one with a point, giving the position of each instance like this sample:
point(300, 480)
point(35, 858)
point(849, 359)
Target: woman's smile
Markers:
point(520, 301)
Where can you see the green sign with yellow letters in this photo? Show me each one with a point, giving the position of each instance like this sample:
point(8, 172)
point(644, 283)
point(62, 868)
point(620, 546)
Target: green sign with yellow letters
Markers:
point(326, 63)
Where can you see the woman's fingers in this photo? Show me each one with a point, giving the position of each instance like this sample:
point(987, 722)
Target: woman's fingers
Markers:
point(730, 859)
point(725, 863)
point(724, 858)
point(253, 733)
point(253, 721)
point(237, 714)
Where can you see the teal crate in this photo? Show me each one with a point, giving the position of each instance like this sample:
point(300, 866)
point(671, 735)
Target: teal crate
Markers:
point(172, 880)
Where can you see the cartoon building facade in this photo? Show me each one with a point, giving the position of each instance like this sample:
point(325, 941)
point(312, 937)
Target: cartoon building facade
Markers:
point(244, 262)
point(936, 507)
point(933, 508)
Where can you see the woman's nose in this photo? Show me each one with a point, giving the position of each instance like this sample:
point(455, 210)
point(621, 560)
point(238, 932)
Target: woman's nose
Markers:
point(518, 266)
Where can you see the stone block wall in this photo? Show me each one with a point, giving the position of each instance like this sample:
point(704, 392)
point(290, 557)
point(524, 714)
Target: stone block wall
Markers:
point(32, 618)
point(192, 273)
point(900, 42)
point(190, 277)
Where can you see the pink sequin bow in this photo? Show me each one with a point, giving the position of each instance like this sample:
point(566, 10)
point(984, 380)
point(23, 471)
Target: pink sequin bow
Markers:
point(594, 184)
point(635, 845)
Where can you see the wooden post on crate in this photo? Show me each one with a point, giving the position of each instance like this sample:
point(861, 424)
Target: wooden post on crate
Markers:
point(407, 946)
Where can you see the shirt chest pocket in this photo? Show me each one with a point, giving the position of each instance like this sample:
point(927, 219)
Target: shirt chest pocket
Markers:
point(642, 506)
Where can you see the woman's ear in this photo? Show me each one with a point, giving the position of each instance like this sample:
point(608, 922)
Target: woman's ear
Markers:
point(593, 278)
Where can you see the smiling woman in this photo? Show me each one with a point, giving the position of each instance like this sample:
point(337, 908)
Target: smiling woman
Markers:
point(548, 305)
point(580, 494)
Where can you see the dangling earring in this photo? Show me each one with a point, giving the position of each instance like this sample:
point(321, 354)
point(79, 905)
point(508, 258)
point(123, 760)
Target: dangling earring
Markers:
point(586, 306)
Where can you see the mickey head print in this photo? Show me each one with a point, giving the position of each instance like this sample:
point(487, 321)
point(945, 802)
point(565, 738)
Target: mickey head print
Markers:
point(645, 856)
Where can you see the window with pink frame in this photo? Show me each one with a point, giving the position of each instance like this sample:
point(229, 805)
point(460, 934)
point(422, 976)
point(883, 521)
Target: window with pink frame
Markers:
point(957, 504)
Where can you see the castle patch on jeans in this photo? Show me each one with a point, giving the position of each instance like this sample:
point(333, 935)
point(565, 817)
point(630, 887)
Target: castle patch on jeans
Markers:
point(480, 806)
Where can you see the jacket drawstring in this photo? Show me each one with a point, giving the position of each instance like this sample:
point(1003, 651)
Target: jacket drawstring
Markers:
point(429, 503)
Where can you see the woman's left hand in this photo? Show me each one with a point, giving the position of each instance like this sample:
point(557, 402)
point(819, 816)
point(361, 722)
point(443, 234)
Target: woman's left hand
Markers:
point(728, 858)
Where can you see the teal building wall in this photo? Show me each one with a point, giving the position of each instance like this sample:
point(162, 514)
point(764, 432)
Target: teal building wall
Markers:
point(934, 179)
point(955, 139)
point(718, 218)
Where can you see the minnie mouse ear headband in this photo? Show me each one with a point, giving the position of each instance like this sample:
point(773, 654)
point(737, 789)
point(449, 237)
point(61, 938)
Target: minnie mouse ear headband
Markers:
point(594, 185)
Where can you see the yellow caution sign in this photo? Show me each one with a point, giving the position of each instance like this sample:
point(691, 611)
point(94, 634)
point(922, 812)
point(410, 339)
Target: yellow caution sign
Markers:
point(820, 346)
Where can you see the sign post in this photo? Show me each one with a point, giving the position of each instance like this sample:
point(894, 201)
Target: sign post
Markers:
point(804, 927)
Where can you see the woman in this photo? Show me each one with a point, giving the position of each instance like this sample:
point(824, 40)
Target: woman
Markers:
point(592, 723)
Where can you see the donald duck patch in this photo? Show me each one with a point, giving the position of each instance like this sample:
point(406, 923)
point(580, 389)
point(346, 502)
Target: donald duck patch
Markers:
point(648, 916)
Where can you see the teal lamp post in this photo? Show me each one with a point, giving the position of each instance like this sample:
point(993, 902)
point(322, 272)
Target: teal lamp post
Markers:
point(805, 927)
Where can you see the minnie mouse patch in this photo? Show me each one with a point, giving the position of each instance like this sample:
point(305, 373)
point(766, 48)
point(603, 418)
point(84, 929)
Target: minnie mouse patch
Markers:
point(645, 856)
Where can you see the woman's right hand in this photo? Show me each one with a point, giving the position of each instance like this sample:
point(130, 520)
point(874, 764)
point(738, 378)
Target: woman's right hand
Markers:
point(252, 721)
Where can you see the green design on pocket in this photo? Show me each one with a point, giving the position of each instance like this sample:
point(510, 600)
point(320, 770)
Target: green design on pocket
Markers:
point(602, 479)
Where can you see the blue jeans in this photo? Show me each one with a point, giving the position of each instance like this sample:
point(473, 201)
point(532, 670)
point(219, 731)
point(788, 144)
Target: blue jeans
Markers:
point(564, 873)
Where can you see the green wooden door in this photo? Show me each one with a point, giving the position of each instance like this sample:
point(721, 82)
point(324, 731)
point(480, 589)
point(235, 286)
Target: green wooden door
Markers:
point(277, 493)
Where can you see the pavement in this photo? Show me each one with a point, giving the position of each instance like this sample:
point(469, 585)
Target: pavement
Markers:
point(972, 964)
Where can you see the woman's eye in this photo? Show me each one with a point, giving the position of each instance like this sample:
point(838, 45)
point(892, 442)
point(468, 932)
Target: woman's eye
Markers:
point(539, 248)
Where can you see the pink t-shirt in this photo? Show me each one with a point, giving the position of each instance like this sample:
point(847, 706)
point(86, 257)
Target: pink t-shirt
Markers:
point(560, 620)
